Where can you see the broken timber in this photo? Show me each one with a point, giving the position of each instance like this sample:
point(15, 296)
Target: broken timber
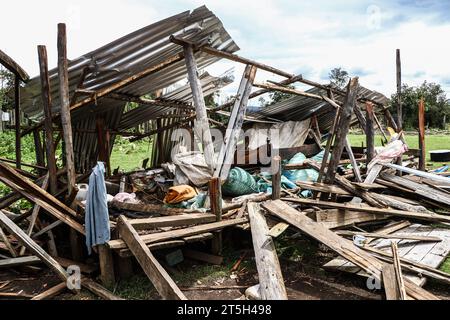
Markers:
point(165, 286)
point(269, 272)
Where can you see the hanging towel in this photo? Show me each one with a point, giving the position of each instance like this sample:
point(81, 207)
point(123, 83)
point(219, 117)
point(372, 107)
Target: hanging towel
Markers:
point(97, 215)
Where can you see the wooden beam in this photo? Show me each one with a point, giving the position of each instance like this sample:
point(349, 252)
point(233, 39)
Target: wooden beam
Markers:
point(52, 292)
point(17, 121)
point(33, 246)
point(364, 208)
point(342, 131)
point(215, 196)
point(422, 158)
point(181, 233)
point(172, 221)
point(64, 98)
point(20, 261)
point(390, 282)
point(399, 100)
point(13, 66)
point(370, 134)
point(276, 177)
point(227, 151)
point(165, 286)
point(47, 104)
point(269, 271)
point(388, 236)
point(202, 124)
point(355, 166)
point(398, 271)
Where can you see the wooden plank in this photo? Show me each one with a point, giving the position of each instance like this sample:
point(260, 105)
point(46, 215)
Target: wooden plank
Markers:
point(18, 148)
point(363, 208)
point(32, 246)
point(388, 236)
point(398, 271)
point(20, 261)
point(343, 247)
point(52, 292)
point(336, 218)
point(370, 134)
point(46, 206)
point(64, 98)
point(149, 208)
point(227, 150)
point(355, 166)
point(165, 286)
point(180, 233)
point(341, 132)
point(98, 290)
point(276, 177)
point(322, 187)
point(47, 104)
point(215, 199)
point(202, 124)
point(7, 243)
point(390, 283)
point(269, 271)
point(422, 158)
point(13, 66)
point(107, 273)
point(172, 221)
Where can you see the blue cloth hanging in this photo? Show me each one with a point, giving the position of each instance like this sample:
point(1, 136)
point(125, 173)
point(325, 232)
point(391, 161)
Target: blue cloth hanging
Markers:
point(97, 215)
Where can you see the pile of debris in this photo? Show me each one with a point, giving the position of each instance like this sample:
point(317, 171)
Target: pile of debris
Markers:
point(297, 171)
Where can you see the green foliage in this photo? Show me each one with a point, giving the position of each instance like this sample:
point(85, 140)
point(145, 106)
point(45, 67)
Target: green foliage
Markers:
point(437, 106)
point(338, 77)
point(276, 96)
point(6, 90)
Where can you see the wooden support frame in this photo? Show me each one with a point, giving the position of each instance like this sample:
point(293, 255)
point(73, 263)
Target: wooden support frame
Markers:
point(47, 104)
point(423, 157)
point(163, 283)
point(227, 151)
point(33, 246)
point(202, 125)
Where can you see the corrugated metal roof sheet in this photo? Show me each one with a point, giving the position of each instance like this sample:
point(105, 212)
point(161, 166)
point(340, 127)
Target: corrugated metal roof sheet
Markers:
point(298, 108)
point(121, 59)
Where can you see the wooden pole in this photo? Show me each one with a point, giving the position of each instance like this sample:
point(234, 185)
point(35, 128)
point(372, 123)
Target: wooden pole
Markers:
point(17, 121)
point(202, 125)
point(102, 141)
point(276, 178)
point(422, 158)
point(399, 100)
point(65, 106)
point(370, 136)
point(215, 197)
point(47, 104)
point(342, 131)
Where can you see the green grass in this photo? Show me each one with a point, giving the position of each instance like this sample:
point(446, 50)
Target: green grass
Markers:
point(129, 155)
point(432, 142)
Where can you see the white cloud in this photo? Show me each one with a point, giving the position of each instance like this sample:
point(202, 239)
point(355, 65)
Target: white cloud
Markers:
point(309, 37)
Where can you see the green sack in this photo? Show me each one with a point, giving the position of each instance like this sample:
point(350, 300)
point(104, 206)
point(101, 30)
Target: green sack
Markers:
point(239, 183)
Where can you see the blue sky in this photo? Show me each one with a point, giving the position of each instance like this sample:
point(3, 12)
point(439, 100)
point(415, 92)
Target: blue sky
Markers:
point(307, 37)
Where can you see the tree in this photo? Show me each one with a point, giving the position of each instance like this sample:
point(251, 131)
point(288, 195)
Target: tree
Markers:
point(277, 96)
point(6, 90)
point(437, 106)
point(339, 77)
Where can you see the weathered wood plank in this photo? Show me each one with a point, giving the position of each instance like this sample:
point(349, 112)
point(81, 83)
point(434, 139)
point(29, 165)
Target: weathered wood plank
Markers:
point(269, 271)
point(165, 286)
point(172, 221)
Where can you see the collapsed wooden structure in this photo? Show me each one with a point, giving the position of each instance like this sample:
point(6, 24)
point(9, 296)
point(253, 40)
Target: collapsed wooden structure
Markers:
point(83, 103)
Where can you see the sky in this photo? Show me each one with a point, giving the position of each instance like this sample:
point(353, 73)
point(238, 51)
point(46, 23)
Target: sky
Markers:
point(297, 36)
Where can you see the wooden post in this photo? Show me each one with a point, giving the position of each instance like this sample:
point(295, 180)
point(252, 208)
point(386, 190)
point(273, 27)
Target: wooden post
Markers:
point(47, 104)
point(422, 158)
point(107, 274)
point(398, 271)
point(370, 137)
point(39, 150)
point(202, 124)
point(17, 121)
point(65, 106)
point(102, 143)
point(342, 131)
point(215, 199)
point(227, 151)
point(399, 101)
point(276, 177)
